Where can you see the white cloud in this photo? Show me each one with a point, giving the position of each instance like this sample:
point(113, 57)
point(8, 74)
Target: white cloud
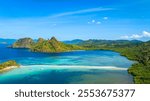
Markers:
point(136, 36)
point(144, 34)
point(82, 11)
point(98, 22)
point(94, 22)
point(105, 18)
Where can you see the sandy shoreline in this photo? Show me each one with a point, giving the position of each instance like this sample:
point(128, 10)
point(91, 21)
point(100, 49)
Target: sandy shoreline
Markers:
point(8, 68)
point(78, 67)
point(66, 66)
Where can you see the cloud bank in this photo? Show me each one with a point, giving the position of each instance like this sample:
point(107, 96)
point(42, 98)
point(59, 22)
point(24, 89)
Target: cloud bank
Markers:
point(144, 34)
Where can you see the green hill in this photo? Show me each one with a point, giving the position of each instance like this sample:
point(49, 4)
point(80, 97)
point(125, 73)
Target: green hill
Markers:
point(141, 69)
point(23, 43)
point(52, 46)
point(134, 50)
point(41, 45)
point(99, 44)
point(8, 64)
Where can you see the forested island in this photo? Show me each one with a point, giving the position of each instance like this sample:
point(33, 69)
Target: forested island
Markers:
point(8, 65)
point(48, 46)
point(134, 50)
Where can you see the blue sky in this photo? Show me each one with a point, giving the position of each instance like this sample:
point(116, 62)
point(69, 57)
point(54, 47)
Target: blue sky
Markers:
point(75, 19)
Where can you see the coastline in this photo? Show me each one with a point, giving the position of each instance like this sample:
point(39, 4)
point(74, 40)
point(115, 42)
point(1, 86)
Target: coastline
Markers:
point(8, 68)
point(78, 67)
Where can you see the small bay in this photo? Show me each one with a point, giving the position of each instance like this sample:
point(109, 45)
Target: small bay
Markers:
point(76, 67)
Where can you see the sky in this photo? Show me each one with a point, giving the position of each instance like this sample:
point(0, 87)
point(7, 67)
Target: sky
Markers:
point(75, 19)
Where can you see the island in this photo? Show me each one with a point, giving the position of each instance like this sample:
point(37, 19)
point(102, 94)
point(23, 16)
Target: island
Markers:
point(53, 46)
point(135, 50)
point(23, 43)
point(8, 65)
point(48, 46)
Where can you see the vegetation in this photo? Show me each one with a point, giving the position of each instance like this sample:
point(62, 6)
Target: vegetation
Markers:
point(8, 64)
point(51, 45)
point(141, 70)
point(23, 43)
point(134, 50)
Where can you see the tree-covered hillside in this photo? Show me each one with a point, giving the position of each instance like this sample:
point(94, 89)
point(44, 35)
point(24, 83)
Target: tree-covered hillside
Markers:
point(41, 45)
point(8, 64)
point(108, 43)
point(134, 50)
point(23, 43)
point(52, 45)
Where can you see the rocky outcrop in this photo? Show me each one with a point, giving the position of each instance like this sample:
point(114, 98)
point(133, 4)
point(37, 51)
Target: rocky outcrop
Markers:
point(23, 43)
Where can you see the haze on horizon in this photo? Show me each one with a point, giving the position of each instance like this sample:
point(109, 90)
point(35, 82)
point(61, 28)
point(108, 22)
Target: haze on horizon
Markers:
point(75, 19)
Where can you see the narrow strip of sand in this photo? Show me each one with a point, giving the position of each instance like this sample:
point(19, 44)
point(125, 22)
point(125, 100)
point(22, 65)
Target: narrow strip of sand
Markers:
point(8, 68)
point(77, 67)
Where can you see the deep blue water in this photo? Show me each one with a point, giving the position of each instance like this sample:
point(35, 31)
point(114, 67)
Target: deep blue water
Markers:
point(95, 66)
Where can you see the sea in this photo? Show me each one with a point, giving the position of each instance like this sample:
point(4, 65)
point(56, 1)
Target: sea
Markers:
point(76, 67)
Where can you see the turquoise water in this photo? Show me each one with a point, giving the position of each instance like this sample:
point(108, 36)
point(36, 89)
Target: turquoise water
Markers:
point(96, 67)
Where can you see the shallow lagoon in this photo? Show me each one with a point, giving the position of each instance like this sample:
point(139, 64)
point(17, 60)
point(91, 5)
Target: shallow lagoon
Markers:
point(96, 67)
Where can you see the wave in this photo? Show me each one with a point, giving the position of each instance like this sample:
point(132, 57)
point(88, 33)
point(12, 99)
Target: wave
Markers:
point(76, 67)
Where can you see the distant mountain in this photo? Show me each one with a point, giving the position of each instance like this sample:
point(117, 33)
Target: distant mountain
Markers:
point(102, 43)
point(23, 43)
point(53, 45)
point(76, 41)
point(7, 41)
